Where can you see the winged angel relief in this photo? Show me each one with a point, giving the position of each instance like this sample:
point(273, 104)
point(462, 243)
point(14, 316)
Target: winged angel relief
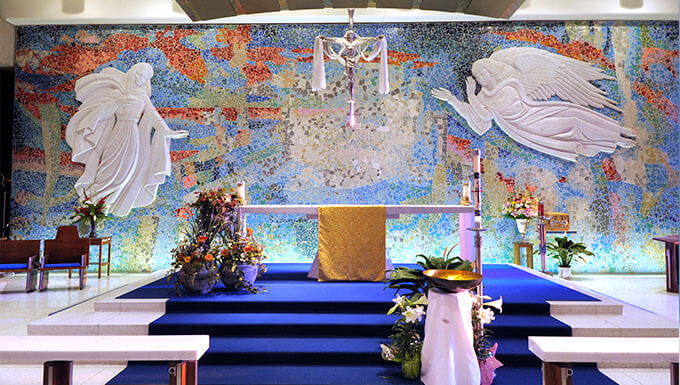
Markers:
point(516, 84)
point(121, 138)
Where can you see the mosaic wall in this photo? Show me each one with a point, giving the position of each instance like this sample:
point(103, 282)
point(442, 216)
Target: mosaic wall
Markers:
point(244, 95)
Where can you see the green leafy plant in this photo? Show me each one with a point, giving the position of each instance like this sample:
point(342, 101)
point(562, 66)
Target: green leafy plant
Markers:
point(406, 336)
point(566, 251)
point(412, 281)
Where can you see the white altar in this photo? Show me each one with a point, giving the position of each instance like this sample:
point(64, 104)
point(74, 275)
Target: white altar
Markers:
point(465, 217)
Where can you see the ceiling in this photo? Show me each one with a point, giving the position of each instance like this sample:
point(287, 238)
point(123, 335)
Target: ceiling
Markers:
point(26, 12)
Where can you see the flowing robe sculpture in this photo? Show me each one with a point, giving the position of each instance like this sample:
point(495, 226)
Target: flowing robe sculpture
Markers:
point(515, 84)
point(120, 137)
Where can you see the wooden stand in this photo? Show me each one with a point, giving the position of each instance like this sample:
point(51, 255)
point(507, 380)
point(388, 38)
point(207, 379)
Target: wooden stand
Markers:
point(101, 242)
point(518, 246)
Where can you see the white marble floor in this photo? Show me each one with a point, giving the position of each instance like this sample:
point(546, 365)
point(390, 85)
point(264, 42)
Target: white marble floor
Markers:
point(647, 309)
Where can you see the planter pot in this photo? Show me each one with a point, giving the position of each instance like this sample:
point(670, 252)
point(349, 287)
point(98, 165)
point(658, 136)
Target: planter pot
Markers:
point(565, 272)
point(232, 280)
point(411, 368)
point(522, 225)
point(200, 282)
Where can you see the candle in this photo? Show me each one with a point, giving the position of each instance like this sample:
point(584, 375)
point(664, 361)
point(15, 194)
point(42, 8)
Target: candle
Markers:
point(466, 191)
point(477, 162)
point(540, 209)
point(478, 222)
point(241, 190)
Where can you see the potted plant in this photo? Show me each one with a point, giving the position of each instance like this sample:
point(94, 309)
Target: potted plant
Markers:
point(413, 281)
point(521, 207)
point(566, 251)
point(241, 262)
point(195, 259)
point(406, 336)
point(90, 212)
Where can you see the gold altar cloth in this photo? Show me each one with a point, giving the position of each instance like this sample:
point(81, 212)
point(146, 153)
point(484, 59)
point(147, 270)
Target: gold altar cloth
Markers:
point(352, 243)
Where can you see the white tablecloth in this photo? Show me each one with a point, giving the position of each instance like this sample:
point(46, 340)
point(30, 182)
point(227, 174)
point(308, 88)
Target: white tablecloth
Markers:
point(448, 356)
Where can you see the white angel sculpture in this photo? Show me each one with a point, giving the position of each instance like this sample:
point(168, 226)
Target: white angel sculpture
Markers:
point(112, 134)
point(515, 85)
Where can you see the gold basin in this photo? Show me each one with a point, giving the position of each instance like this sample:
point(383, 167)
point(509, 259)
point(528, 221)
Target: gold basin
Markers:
point(453, 281)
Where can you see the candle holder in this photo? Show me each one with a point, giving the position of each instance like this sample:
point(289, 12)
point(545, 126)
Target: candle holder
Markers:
point(465, 200)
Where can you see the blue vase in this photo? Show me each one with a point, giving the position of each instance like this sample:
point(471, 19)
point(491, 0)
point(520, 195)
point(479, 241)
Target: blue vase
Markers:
point(231, 280)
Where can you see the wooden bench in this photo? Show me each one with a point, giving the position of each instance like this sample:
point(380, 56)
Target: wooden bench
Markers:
point(59, 352)
point(557, 353)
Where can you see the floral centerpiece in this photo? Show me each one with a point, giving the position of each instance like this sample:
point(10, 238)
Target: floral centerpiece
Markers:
point(521, 207)
point(196, 257)
point(485, 352)
point(406, 336)
point(89, 211)
point(241, 261)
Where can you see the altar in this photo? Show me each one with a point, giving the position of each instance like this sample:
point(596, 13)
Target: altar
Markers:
point(465, 217)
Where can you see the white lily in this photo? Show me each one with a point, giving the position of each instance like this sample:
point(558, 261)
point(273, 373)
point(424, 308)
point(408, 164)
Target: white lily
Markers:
point(486, 315)
point(414, 313)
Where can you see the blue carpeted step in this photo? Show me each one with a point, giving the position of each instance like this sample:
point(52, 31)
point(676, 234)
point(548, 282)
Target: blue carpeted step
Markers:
point(516, 326)
point(387, 373)
point(274, 324)
point(290, 351)
point(514, 351)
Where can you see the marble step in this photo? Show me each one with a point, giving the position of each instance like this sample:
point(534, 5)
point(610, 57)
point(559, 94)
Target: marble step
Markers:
point(131, 305)
point(97, 323)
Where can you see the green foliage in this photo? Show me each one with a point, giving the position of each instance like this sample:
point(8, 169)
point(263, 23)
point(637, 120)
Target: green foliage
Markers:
point(566, 251)
point(412, 281)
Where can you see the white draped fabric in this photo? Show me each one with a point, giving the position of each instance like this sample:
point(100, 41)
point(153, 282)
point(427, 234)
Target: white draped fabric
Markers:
point(322, 45)
point(448, 356)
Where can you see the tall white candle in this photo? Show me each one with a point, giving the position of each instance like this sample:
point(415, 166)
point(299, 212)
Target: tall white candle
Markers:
point(477, 162)
point(241, 190)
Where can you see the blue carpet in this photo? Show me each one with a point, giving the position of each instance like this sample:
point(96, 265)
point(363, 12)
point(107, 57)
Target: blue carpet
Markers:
point(305, 332)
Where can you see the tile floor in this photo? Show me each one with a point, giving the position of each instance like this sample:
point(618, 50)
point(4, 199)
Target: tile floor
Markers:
point(646, 304)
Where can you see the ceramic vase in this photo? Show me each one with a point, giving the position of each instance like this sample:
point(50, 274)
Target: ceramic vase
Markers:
point(522, 225)
point(565, 272)
point(93, 228)
point(200, 282)
point(232, 279)
point(411, 368)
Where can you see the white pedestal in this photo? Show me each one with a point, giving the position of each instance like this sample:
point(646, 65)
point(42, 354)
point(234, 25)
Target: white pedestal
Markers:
point(448, 356)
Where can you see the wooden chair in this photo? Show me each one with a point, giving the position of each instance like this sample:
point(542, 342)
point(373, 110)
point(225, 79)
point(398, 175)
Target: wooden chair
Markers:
point(67, 233)
point(65, 255)
point(18, 256)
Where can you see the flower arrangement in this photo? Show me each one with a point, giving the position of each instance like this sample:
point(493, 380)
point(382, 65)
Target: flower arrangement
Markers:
point(406, 336)
point(521, 206)
point(214, 221)
point(482, 315)
point(88, 210)
point(243, 250)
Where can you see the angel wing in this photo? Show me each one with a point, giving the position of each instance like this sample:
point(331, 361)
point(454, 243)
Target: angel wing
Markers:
point(545, 74)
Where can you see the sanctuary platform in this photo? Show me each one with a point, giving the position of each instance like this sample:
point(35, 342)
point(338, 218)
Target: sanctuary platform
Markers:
point(305, 332)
